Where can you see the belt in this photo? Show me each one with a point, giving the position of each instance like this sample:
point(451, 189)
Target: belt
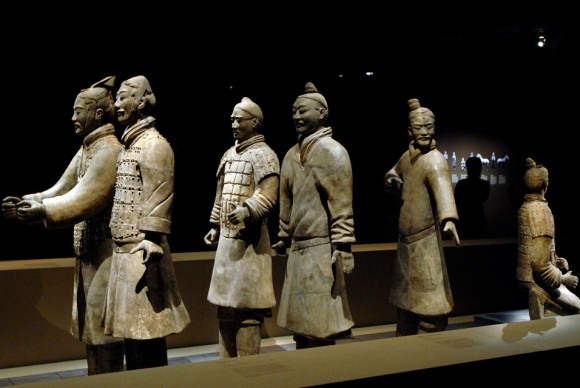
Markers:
point(297, 245)
point(418, 236)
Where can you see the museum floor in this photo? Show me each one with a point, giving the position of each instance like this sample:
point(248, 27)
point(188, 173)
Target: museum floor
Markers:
point(63, 370)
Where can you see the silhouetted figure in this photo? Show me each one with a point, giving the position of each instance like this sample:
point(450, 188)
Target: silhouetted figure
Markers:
point(470, 195)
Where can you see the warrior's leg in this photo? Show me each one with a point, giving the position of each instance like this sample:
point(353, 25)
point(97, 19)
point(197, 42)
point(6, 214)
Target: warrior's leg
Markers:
point(248, 337)
point(147, 353)
point(407, 322)
point(227, 338)
point(105, 358)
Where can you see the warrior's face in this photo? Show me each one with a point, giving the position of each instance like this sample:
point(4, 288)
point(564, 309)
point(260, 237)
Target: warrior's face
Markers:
point(127, 105)
point(422, 130)
point(308, 115)
point(243, 125)
point(84, 116)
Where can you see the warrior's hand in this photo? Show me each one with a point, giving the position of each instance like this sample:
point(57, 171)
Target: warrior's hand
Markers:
point(9, 208)
point(239, 214)
point(344, 260)
point(30, 211)
point(279, 247)
point(211, 238)
point(450, 229)
point(151, 251)
point(569, 280)
point(561, 263)
point(393, 183)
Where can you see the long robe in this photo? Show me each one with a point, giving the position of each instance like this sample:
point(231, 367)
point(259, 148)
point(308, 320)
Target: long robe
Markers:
point(420, 282)
point(83, 197)
point(143, 301)
point(316, 215)
point(248, 176)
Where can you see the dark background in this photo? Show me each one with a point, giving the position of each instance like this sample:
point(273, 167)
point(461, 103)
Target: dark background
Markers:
point(479, 71)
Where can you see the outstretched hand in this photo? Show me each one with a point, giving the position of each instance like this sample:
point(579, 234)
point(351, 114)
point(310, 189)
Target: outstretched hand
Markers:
point(10, 208)
point(30, 211)
point(450, 229)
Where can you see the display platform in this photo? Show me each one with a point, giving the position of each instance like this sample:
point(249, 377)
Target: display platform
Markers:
point(481, 352)
point(39, 296)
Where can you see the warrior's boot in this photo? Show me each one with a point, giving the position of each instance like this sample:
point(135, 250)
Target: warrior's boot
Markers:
point(303, 342)
point(105, 358)
point(433, 323)
point(147, 353)
point(239, 339)
point(248, 337)
point(407, 323)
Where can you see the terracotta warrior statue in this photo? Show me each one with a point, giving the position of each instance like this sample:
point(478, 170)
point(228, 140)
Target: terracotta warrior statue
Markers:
point(420, 288)
point(247, 191)
point(83, 197)
point(317, 225)
point(544, 275)
point(144, 304)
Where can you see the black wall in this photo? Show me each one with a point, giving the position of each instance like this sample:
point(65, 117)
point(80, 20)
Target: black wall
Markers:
point(482, 81)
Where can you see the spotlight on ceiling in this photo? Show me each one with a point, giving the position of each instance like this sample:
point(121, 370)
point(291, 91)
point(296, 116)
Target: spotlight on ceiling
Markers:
point(541, 38)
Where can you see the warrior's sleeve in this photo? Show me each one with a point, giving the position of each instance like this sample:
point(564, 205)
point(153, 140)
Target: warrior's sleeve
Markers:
point(65, 183)
point(440, 182)
point(157, 165)
point(285, 199)
point(394, 172)
point(93, 192)
point(336, 182)
point(542, 233)
point(267, 176)
point(214, 218)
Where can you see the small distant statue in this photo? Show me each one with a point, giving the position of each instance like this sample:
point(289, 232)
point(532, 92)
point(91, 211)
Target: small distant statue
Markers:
point(501, 162)
point(545, 276)
point(420, 288)
point(445, 155)
point(454, 161)
point(462, 163)
point(484, 161)
point(493, 160)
